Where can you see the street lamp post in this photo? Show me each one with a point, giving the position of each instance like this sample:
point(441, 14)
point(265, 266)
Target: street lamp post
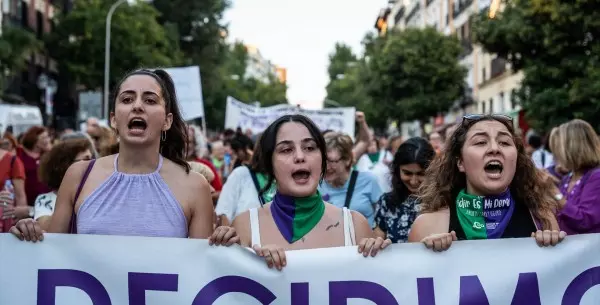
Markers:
point(111, 11)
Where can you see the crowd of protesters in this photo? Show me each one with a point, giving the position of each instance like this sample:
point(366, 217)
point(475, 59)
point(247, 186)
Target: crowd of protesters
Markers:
point(294, 186)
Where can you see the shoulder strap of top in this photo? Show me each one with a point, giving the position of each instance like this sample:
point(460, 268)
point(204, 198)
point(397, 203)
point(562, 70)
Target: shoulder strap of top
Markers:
point(349, 236)
point(254, 227)
point(73, 223)
point(350, 191)
point(256, 185)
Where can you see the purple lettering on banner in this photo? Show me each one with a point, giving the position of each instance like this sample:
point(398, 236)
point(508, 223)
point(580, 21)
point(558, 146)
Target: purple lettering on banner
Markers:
point(426, 291)
point(300, 294)
point(227, 284)
point(49, 279)
point(527, 291)
point(580, 285)
point(140, 282)
point(471, 291)
point(340, 292)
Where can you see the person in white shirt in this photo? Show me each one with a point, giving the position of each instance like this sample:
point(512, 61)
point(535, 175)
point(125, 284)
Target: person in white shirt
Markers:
point(540, 156)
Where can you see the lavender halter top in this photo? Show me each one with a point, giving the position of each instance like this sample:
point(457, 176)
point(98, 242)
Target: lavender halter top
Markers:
point(132, 205)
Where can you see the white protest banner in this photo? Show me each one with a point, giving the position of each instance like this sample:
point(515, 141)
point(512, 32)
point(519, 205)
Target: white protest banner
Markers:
point(189, 91)
point(106, 270)
point(257, 119)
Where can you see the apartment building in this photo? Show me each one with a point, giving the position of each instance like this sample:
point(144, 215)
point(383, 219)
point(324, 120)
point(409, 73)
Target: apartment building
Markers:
point(260, 68)
point(41, 71)
point(489, 80)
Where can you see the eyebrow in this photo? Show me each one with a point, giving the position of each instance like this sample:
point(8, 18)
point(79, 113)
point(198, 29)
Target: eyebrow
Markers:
point(143, 93)
point(485, 134)
point(287, 142)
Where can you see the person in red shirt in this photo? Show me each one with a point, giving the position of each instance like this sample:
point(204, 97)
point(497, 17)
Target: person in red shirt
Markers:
point(35, 142)
point(11, 168)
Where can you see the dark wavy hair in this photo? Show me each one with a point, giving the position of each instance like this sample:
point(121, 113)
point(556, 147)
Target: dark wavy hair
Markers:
point(443, 180)
point(54, 164)
point(174, 146)
point(268, 141)
point(414, 150)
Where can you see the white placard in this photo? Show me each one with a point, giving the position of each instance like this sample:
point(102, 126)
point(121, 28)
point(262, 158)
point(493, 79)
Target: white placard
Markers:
point(257, 119)
point(188, 88)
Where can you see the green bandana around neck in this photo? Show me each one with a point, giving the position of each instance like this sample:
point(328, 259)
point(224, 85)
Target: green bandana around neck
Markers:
point(295, 217)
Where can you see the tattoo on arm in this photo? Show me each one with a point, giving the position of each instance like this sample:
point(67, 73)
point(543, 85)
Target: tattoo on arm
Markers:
point(332, 226)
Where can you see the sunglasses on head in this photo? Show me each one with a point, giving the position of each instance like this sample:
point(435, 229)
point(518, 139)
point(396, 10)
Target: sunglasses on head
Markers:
point(471, 118)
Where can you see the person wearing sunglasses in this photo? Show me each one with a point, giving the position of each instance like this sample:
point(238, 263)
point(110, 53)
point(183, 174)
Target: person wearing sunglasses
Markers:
point(484, 187)
point(53, 166)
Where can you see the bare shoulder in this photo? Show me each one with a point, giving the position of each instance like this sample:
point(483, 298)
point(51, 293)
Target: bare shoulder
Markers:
point(190, 180)
point(242, 226)
point(429, 223)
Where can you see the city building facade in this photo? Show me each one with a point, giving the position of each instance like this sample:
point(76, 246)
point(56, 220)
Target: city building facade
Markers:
point(260, 68)
point(489, 80)
point(38, 81)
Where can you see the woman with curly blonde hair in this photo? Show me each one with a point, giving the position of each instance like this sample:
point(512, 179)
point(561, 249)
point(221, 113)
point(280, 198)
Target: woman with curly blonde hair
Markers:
point(484, 187)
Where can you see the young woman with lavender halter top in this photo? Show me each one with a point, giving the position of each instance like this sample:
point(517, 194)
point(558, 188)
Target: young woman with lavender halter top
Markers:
point(145, 190)
point(292, 152)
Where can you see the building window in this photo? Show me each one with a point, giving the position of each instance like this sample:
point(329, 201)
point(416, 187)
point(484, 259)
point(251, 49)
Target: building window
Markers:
point(25, 15)
point(513, 99)
point(483, 106)
point(502, 106)
point(39, 24)
point(483, 75)
point(492, 105)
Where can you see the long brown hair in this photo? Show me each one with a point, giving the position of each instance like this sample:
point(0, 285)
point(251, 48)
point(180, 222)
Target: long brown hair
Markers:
point(443, 181)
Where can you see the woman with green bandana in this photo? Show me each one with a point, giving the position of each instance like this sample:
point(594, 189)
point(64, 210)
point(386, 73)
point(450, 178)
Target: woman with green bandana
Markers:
point(484, 187)
point(293, 152)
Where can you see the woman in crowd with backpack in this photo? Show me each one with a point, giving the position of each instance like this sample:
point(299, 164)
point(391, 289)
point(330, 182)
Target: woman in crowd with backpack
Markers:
point(345, 187)
point(146, 189)
point(244, 190)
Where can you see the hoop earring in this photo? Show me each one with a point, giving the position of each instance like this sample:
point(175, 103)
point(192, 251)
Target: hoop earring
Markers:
point(163, 136)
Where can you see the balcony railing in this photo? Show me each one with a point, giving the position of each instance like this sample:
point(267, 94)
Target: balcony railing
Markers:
point(399, 15)
point(463, 5)
point(428, 2)
point(413, 12)
point(498, 66)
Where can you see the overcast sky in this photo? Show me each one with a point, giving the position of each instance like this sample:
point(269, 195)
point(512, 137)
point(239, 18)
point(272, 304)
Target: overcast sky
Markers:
point(299, 35)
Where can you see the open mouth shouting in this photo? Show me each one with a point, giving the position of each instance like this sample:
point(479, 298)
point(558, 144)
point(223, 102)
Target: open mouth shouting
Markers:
point(301, 176)
point(493, 169)
point(137, 126)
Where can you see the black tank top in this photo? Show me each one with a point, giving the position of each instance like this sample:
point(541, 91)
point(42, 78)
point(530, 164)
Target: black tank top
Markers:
point(521, 223)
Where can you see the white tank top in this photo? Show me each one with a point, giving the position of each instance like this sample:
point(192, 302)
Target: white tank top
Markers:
point(349, 237)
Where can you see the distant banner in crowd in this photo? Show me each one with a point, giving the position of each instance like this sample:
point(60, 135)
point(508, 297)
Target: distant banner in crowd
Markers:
point(257, 119)
point(105, 270)
point(188, 88)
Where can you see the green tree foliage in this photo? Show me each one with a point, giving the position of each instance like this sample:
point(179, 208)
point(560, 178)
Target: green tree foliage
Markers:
point(555, 44)
point(201, 33)
point(349, 81)
point(408, 75)
point(415, 74)
point(138, 40)
point(15, 44)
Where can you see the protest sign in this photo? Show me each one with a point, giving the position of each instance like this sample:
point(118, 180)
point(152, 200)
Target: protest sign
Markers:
point(105, 270)
point(257, 119)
